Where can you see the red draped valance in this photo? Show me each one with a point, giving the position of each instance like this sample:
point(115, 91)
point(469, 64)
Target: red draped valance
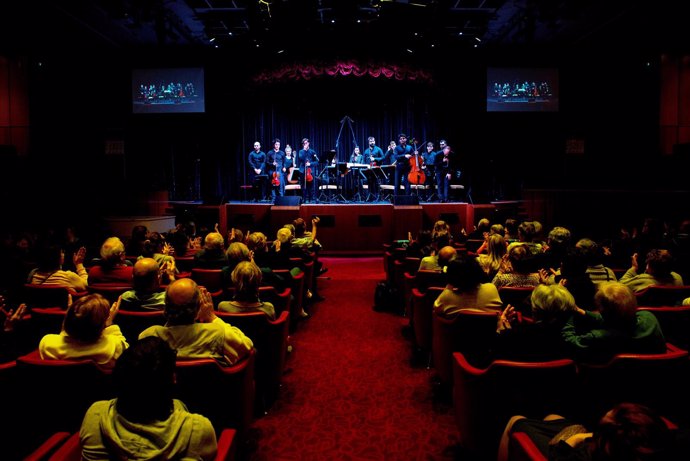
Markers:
point(308, 71)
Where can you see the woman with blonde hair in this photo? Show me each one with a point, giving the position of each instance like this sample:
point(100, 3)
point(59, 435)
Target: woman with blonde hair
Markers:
point(246, 280)
point(492, 262)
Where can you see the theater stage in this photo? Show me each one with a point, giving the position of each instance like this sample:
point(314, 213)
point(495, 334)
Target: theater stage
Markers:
point(345, 228)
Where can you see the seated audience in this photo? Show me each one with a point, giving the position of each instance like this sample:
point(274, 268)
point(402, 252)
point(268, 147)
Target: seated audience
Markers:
point(144, 421)
point(540, 339)
point(147, 293)
point(157, 248)
point(9, 339)
point(135, 244)
point(517, 270)
point(617, 327)
point(212, 255)
point(112, 267)
point(657, 271)
point(594, 257)
point(49, 272)
point(194, 329)
point(492, 261)
point(628, 432)
point(87, 332)
point(246, 279)
point(437, 262)
point(466, 290)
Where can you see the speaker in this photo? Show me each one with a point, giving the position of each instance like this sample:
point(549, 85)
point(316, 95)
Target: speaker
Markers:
point(288, 200)
point(405, 200)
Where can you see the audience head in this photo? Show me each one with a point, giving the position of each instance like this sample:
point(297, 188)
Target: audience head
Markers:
point(246, 278)
point(591, 251)
point(574, 263)
point(214, 241)
point(112, 251)
point(146, 275)
point(300, 227)
point(154, 244)
point(552, 303)
point(497, 246)
point(238, 236)
point(182, 302)
point(256, 242)
point(496, 229)
point(144, 378)
point(511, 227)
point(659, 263)
point(632, 432)
point(526, 231)
point(520, 259)
point(136, 240)
point(283, 235)
point(85, 319)
point(617, 305)
point(291, 228)
point(50, 258)
point(237, 252)
point(484, 225)
point(465, 273)
point(446, 255)
point(558, 238)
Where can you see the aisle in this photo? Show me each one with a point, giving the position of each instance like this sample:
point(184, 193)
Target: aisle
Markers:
point(351, 393)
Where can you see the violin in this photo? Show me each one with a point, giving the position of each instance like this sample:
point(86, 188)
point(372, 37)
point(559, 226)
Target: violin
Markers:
point(416, 175)
point(276, 179)
point(310, 178)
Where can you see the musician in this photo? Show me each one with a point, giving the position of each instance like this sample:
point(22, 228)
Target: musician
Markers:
point(257, 171)
point(374, 156)
point(444, 163)
point(308, 162)
point(402, 155)
point(428, 165)
point(275, 163)
point(356, 158)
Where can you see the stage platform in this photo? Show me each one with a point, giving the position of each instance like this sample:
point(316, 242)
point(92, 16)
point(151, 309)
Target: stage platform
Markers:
point(344, 228)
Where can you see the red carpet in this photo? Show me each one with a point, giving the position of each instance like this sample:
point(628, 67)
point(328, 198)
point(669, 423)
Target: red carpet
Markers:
point(351, 393)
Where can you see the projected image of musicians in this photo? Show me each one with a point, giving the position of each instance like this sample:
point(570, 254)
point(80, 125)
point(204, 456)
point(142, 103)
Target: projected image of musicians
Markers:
point(308, 166)
point(257, 172)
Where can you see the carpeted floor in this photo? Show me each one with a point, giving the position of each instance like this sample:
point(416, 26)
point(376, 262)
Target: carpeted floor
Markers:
point(350, 392)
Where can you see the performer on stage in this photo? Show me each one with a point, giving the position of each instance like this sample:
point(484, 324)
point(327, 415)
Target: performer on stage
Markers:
point(308, 166)
point(289, 165)
point(374, 156)
point(275, 166)
point(444, 164)
point(357, 156)
point(257, 172)
point(402, 156)
point(428, 167)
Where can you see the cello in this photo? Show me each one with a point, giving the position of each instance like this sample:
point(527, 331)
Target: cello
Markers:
point(416, 175)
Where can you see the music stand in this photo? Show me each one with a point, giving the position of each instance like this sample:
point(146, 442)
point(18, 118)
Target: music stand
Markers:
point(341, 171)
point(375, 175)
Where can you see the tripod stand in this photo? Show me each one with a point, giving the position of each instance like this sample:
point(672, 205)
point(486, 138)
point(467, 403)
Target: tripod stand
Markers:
point(349, 122)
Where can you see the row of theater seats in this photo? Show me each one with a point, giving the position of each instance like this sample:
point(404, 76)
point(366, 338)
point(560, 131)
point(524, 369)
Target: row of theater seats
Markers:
point(485, 398)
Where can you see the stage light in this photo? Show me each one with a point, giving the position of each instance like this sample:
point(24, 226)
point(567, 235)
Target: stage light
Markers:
point(213, 39)
point(478, 39)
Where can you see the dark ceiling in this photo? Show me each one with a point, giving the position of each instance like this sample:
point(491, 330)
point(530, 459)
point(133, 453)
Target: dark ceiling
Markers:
point(337, 27)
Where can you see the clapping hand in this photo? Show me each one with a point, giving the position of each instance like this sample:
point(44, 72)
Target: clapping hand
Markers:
point(11, 316)
point(505, 318)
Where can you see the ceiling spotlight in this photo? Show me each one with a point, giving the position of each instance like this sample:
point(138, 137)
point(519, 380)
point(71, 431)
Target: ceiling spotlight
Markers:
point(230, 34)
point(280, 51)
point(478, 39)
point(459, 33)
point(432, 45)
point(359, 21)
point(213, 39)
point(409, 50)
point(476, 46)
point(215, 46)
point(332, 21)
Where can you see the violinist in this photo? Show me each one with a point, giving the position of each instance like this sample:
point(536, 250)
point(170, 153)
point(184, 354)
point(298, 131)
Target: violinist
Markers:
point(308, 162)
point(428, 165)
point(275, 166)
point(444, 163)
point(402, 155)
point(257, 171)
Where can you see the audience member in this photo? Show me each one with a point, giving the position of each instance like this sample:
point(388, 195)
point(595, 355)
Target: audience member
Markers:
point(437, 262)
point(146, 282)
point(616, 328)
point(594, 257)
point(9, 341)
point(465, 290)
point(246, 280)
point(517, 270)
point(539, 339)
point(627, 432)
point(157, 248)
point(113, 266)
point(492, 262)
point(657, 271)
point(212, 255)
point(49, 270)
point(194, 329)
point(144, 421)
point(87, 332)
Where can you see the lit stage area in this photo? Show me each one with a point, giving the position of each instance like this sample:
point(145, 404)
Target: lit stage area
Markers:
point(350, 229)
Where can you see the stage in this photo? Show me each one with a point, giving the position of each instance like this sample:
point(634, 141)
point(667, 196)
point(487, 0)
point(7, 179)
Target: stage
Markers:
point(345, 228)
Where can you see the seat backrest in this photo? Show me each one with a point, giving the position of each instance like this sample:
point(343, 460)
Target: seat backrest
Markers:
point(655, 380)
point(485, 398)
point(663, 295)
point(518, 297)
point(224, 394)
point(110, 291)
point(46, 295)
point(60, 387)
point(522, 448)
point(46, 320)
point(421, 311)
point(426, 278)
point(297, 286)
point(468, 332)
point(134, 322)
point(270, 339)
point(675, 323)
point(212, 279)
